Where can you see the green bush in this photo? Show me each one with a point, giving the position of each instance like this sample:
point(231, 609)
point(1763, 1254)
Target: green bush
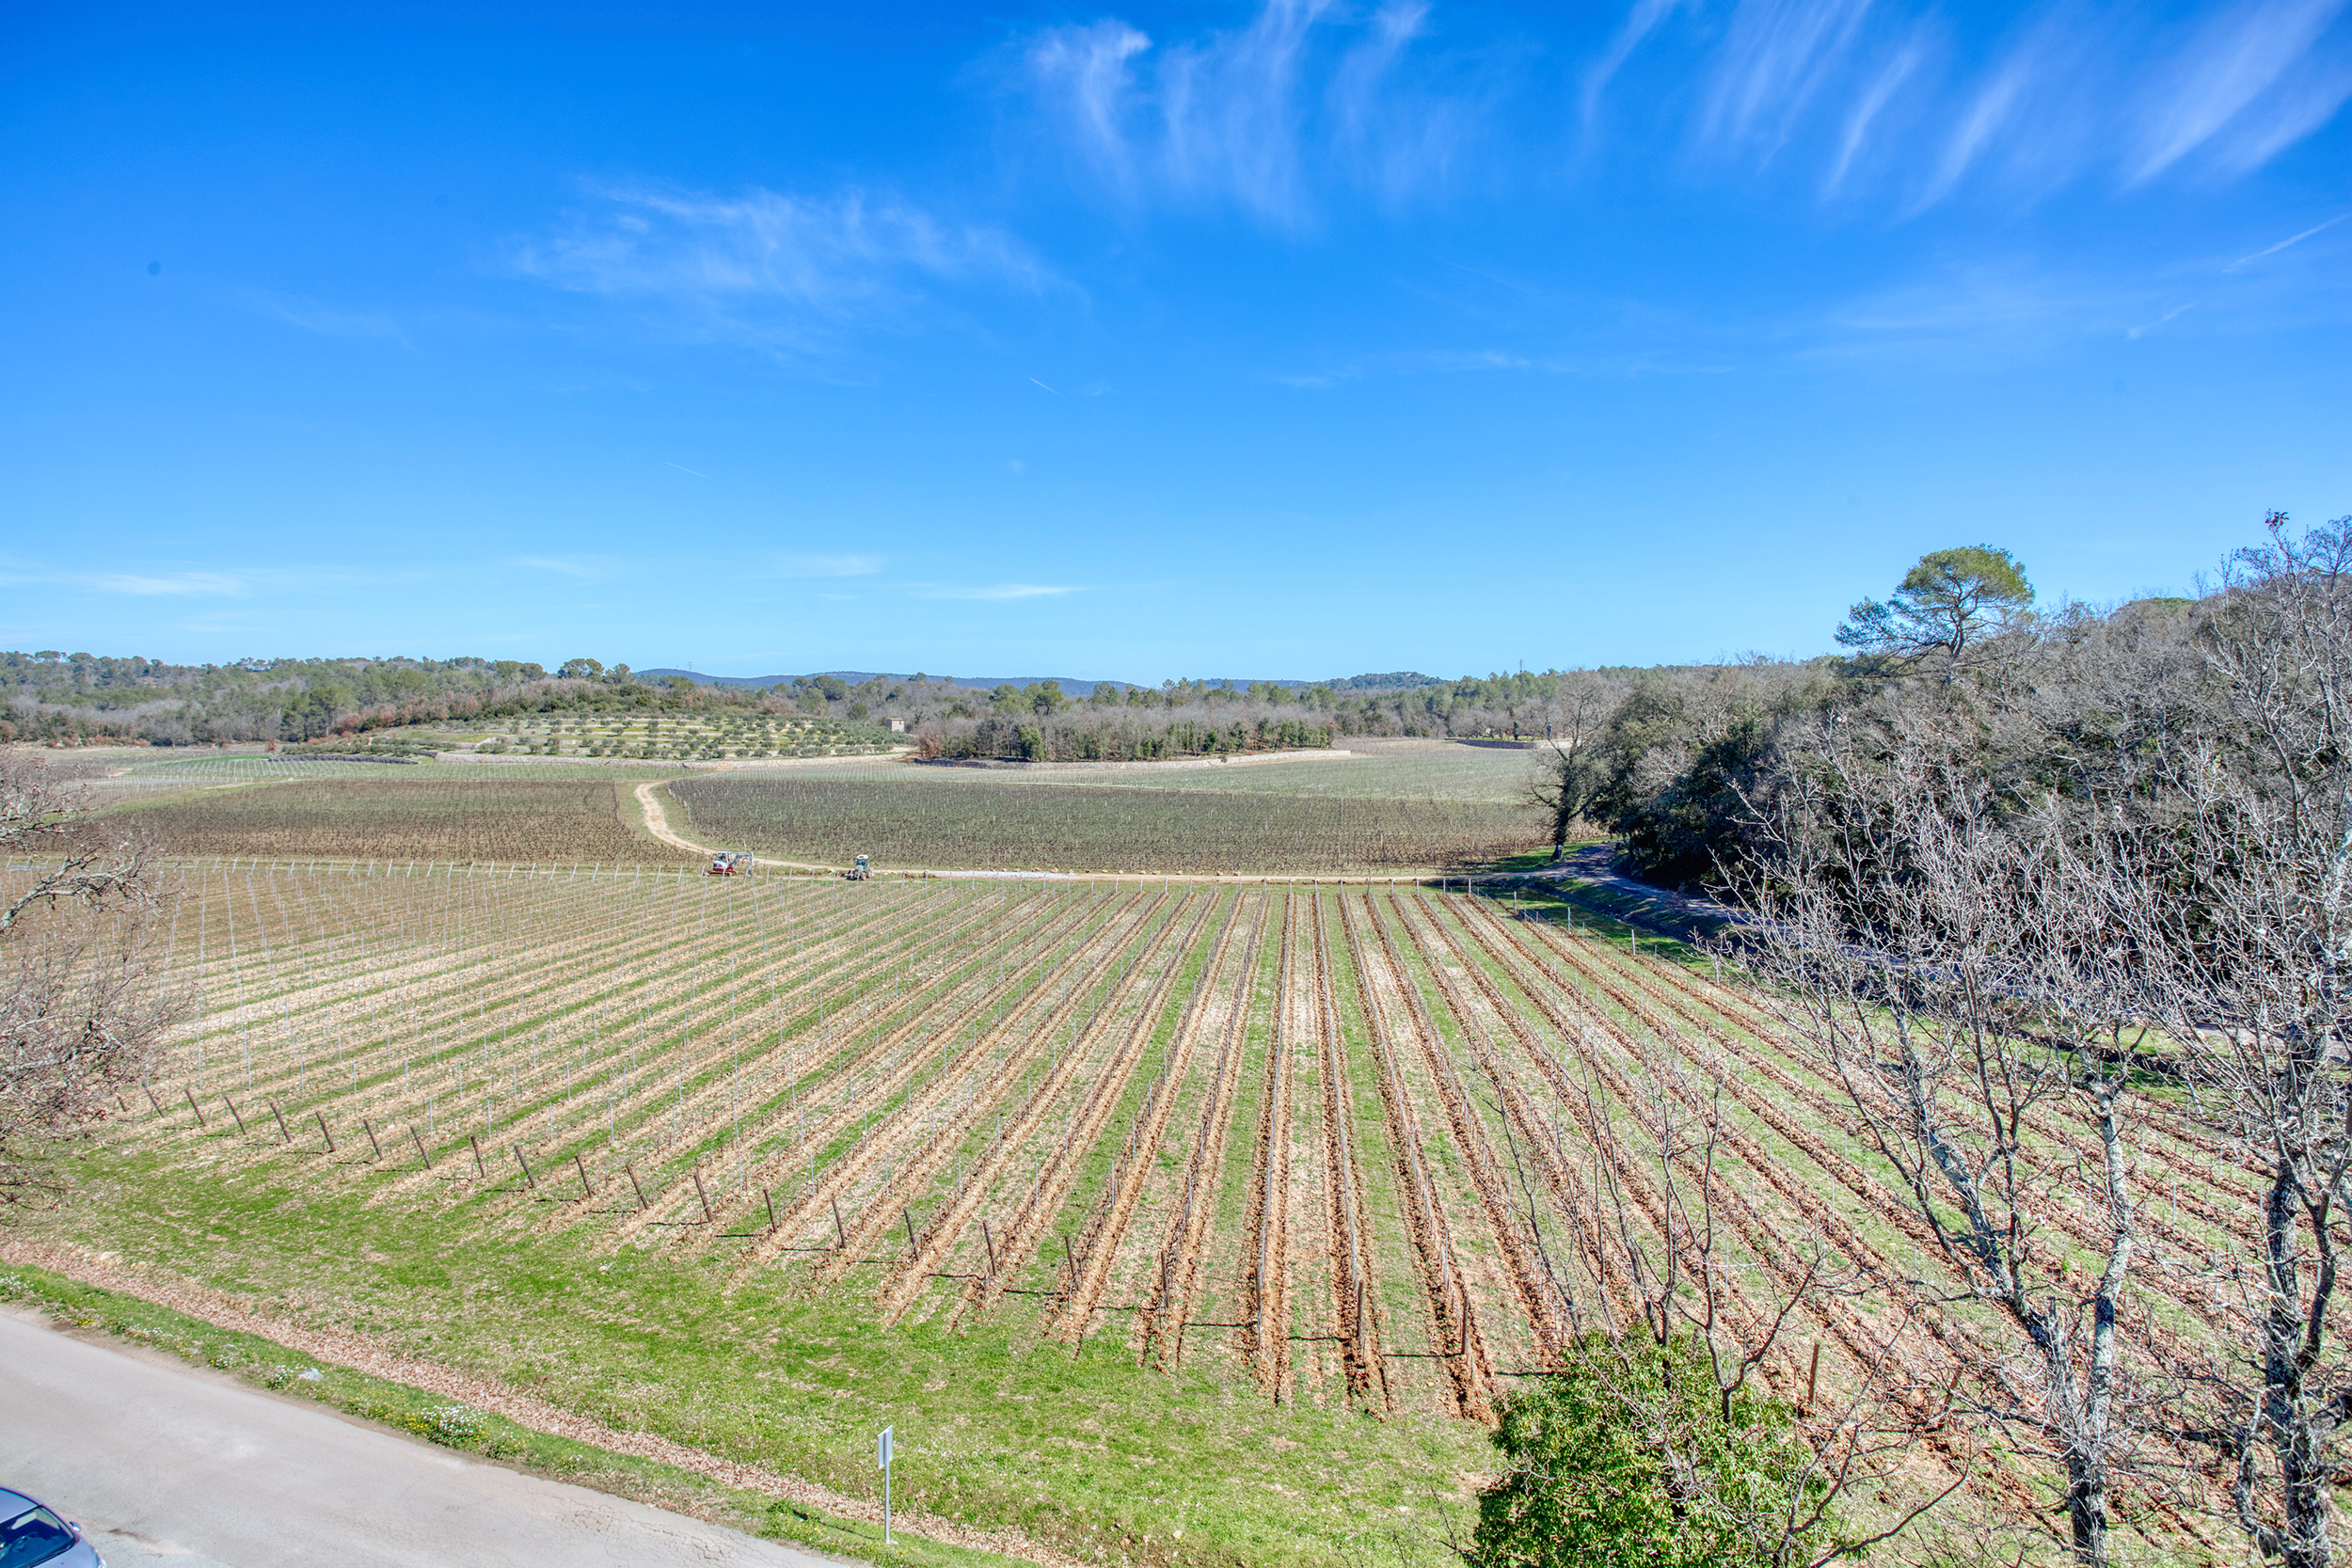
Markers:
point(1631, 1457)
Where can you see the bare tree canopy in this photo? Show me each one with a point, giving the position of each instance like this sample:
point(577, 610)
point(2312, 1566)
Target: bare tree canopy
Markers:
point(2111, 856)
point(84, 1003)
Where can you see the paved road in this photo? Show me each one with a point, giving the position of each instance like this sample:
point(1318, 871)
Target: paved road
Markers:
point(179, 1467)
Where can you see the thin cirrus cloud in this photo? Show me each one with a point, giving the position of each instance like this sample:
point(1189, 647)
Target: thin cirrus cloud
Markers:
point(786, 270)
point(1902, 105)
point(823, 566)
point(1269, 117)
point(995, 591)
point(1897, 104)
point(603, 568)
point(174, 585)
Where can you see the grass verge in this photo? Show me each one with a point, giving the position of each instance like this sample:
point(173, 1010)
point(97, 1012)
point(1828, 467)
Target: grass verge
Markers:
point(1086, 1454)
point(435, 1419)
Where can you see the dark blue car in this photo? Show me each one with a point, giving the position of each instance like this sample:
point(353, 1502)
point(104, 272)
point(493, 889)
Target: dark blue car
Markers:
point(30, 1533)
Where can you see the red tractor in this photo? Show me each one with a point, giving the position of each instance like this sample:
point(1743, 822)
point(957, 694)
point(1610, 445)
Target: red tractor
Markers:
point(731, 863)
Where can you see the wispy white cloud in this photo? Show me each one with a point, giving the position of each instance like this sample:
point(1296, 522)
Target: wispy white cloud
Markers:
point(219, 582)
point(312, 315)
point(1775, 59)
point(2223, 85)
point(995, 591)
point(580, 568)
point(784, 269)
point(1271, 117)
point(2291, 240)
point(2146, 328)
point(1886, 97)
point(1422, 362)
point(176, 584)
point(1640, 20)
point(852, 566)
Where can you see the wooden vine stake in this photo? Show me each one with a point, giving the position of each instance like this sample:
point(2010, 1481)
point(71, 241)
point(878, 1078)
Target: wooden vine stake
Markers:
point(370, 1128)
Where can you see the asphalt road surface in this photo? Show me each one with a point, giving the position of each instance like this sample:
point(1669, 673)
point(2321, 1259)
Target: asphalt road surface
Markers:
point(183, 1468)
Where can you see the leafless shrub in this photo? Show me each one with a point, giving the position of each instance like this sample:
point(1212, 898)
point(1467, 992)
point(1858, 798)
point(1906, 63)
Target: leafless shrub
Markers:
point(83, 1003)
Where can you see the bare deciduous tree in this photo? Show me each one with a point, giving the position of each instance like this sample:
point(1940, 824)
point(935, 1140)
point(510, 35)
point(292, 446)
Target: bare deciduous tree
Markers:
point(1906, 936)
point(83, 1003)
point(1567, 776)
point(2223, 864)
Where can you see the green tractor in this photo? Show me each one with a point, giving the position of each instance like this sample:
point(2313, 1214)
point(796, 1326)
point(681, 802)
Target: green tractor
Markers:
point(863, 871)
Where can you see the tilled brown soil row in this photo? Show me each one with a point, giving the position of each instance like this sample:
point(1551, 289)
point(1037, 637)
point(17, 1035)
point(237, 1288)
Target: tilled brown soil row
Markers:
point(1759, 1234)
point(2193, 1156)
point(915, 1013)
point(1265, 1246)
point(1355, 1310)
point(637, 1011)
point(1525, 1276)
point(1059, 1163)
point(1161, 1322)
point(1099, 1254)
point(1090, 959)
point(1644, 1000)
point(1452, 1325)
point(1053, 1173)
point(377, 1062)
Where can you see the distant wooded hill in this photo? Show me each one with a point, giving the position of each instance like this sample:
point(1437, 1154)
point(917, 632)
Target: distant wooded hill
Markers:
point(1402, 680)
point(57, 698)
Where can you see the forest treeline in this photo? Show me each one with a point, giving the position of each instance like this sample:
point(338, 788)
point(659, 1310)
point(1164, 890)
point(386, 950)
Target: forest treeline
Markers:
point(75, 699)
point(2060, 903)
point(1685, 768)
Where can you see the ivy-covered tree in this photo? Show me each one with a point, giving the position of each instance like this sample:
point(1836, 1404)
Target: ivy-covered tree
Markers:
point(1634, 1456)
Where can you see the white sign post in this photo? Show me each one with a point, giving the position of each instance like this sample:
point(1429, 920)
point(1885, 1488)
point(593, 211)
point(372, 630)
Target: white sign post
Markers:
point(882, 1457)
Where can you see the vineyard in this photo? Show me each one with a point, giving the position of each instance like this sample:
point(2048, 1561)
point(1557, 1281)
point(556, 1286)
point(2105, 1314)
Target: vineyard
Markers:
point(686, 736)
point(394, 816)
point(974, 822)
point(1339, 1147)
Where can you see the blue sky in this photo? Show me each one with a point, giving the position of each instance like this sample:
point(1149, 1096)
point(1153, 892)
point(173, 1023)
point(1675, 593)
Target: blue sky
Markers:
point(1146, 341)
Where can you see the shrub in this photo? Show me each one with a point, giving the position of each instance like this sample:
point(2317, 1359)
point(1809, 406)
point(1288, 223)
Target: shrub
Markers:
point(1631, 1455)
